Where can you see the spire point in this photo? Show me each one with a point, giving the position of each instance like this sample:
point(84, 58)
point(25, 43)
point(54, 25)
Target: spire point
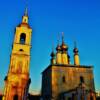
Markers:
point(75, 47)
point(26, 11)
point(52, 46)
point(58, 39)
point(62, 37)
point(25, 17)
point(58, 48)
point(75, 44)
point(52, 53)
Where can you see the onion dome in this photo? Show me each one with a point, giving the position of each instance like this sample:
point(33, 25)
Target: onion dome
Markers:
point(64, 46)
point(52, 54)
point(58, 48)
point(75, 50)
point(52, 57)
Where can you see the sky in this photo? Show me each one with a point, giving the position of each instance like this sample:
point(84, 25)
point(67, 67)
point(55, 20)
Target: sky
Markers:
point(78, 19)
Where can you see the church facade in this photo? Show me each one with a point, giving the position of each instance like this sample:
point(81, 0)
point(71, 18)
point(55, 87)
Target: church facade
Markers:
point(18, 79)
point(62, 80)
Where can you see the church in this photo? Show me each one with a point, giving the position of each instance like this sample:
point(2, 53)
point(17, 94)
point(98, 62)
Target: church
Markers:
point(62, 80)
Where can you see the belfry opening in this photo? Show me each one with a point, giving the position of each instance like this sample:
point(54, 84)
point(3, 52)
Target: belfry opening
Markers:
point(22, 38)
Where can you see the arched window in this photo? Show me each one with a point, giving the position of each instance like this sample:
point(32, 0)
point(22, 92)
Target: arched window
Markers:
point(63, 79)
point(22, 38)
point(15, 97)
point(81, 79)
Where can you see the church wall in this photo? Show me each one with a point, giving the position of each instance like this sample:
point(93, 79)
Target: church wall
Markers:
point(67, 78)
point(46, 85)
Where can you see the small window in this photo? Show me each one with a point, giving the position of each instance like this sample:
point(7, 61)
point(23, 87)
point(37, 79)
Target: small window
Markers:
point(81, 79)
point(22, 38)
point(25, 20)
point(21, 50)
point(63, 79)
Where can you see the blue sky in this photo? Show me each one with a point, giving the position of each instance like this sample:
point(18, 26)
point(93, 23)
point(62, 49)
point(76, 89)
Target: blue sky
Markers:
point(78, 19)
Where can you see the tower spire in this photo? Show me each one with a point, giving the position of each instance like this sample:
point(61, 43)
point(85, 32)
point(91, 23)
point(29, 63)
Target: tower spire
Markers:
point(62, 37)
point(75, 44)
point(25, 17)
point(26, 11)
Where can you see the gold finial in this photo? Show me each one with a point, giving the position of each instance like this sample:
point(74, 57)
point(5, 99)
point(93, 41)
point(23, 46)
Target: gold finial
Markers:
point(26, 7)
point(75, 48)
point(75, 44)
point(52, 46)
point(58, 39)
point(62, 37)
point(58, 48)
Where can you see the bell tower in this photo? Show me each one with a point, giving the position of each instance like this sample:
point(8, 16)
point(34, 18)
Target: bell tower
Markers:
point(17, 80)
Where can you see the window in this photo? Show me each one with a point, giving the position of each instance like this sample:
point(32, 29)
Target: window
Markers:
point(25, 20)
point(15, 97)
point(81, 79)
point(63, 79)
point(22, 38)
point(21, 50)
